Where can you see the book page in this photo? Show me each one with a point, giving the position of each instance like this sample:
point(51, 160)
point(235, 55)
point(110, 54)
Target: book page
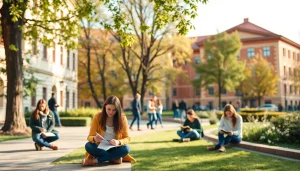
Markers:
point(105, 145)
point(48, 134)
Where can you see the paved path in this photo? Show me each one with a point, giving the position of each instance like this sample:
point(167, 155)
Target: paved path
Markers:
point(21, 155)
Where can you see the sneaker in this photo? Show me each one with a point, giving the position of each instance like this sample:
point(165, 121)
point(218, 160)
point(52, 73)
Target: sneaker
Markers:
point(185, 140)
point(37, 147)
point(222, 149)
point(211, 148)
point(148, 125)
point(139, 129)
point(116, 161)
point(131, 128)
point(89, 162)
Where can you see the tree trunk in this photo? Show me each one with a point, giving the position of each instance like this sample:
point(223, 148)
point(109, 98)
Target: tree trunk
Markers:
point(12, 35)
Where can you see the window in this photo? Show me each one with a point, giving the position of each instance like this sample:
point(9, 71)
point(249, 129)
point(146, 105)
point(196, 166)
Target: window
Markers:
point(34, 47)
point(294, 55)
point(211, 90)
point(284, 70)
point(197, 60)
point(61, 55)
point(45, 52)
point(298, 57)
point(174, 92)
point(87, 104)
point(74, 68)
point(290, 72)
point(283, 52)
point(266, 51)
point(33, 98)
point(197, 92)
point(73, 100)
point(68, 59)
point(289, 53)
point(291, 89)
point(250, 52)
point(150, 93)
point(45, 93)
point(197, 76)
point(54, 52)
point(224, 91)
point(68, 100)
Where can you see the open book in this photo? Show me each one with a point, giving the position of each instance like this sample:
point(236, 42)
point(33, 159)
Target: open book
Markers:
point(225, 132)
point(48, 134)
point(104, 145)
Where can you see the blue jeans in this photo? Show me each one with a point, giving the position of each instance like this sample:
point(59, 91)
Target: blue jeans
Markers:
point(136, 117)
point(182, 114)
point(176, 113)
point(159, 118)
point(151, 119)
point(45, 141)
point(193, 135)
point(228, 139)
point(57, 119)
point(102, 155)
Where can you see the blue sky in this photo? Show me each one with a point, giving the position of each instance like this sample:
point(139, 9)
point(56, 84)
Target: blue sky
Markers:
point(278, 16)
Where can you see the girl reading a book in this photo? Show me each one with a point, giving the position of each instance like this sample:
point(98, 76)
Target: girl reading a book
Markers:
point(230, 129)
point(191, 129)
point(109, 126)
point(42, 123)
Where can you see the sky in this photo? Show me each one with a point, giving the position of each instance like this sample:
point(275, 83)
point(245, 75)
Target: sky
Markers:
point(281, 17)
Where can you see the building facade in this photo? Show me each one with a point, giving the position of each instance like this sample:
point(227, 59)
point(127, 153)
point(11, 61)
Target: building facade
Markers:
point(279, 51)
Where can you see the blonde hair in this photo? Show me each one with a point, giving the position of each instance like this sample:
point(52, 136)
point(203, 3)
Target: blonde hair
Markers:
point(192, 113)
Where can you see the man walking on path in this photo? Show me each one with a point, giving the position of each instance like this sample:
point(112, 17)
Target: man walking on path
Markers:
point(53, 107)
point(136, 111)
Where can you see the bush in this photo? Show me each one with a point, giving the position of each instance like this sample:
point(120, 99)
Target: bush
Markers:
point(71, 121)
point(212, 117)
point(203, 114)
point(80, 112)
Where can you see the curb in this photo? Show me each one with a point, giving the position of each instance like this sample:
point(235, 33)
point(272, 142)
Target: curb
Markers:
point(279, 151)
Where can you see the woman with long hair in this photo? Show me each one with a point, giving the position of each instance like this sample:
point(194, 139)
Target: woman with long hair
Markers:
point(42, 121)
point(159, 110)
point(108, 127)
point(191, 129)
point(231, 125)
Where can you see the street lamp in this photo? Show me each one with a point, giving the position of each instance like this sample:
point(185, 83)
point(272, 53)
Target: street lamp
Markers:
point(285, 101)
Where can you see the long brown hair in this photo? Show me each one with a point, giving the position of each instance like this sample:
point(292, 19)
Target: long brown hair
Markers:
point(117, 118)
point(192, 113)
point(231, 109)
point(36, 111)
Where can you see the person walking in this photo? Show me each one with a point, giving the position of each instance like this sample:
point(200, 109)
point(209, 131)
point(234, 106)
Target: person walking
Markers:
point(136, 111)
point(159, 110)
point(151, 112)
point(53, 107)
point(175, 108)
point(42, 123)
point(182, 109)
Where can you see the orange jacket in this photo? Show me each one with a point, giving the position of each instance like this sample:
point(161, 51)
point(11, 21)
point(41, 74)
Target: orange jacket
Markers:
point(123, 137)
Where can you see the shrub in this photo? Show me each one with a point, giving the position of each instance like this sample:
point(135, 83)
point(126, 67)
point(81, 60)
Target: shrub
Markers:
point(212, 117)
point(80, 112)
point(203, 114)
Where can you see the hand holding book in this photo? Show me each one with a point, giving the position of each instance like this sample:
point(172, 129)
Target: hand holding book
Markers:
point(224, 131)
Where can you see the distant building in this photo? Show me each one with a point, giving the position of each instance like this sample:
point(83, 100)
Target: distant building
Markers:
point(279, 51)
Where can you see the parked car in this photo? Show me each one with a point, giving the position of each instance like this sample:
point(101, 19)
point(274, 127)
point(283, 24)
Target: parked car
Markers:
point(268, 107)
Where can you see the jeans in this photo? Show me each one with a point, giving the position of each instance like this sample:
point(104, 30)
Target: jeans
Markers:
point(136, 117)
point(57, 119)
point(193, 135)
point(228, 139)
point(102, 155)
point(159, 118)
point(151, 119)
point(45, 141)
point(182, 114)
point(176, 113)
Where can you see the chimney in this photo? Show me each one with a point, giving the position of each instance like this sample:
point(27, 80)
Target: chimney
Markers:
point(246, 20)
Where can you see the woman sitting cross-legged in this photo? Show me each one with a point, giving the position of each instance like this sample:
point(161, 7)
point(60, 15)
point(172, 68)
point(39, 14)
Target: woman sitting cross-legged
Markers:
point(191, 129)
point(42, 121)
point(231, 124)
point(108, 127)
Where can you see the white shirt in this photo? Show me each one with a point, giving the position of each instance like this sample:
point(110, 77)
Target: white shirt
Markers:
point(226, 124)
point(109, 133)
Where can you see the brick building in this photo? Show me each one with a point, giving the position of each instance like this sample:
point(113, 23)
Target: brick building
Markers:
point(282, 53)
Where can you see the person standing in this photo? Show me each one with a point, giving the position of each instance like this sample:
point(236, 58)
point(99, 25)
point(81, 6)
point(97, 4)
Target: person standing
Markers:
point(108, 126)
point(159, 110)
point(151, 112)
point(175, 108)
point(42, 121)
point(136, 111)
point(231, 125)
point(53, 107)
point(182, 109)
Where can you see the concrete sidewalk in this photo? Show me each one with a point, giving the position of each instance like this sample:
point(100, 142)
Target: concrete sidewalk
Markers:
point(21, 154)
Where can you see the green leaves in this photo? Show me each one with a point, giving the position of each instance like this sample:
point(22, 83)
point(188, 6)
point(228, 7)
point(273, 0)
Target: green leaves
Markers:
point(15, 12)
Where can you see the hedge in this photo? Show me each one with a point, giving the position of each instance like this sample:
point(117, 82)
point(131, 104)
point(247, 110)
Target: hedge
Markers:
point(71, 121)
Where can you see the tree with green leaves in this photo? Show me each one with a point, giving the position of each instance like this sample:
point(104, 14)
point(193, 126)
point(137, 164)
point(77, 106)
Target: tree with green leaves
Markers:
point(263, 80)
point(220, 65)
point(33, 21)
point(144, 30)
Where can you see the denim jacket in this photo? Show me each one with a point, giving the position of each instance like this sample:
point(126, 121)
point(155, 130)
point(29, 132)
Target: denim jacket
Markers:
point(36, 125)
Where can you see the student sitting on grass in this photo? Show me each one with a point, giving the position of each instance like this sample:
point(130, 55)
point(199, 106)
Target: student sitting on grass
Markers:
point(191, 129)
point(231, 124)
point(42, 121)
point(108, 128)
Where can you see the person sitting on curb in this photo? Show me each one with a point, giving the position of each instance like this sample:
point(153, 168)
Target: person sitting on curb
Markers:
point(231, 124)
point(191, 129)
point(42, 121)
point(112, 126)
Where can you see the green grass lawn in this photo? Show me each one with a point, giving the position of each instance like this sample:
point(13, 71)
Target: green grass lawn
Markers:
point(11, 137)
point(156, 151)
